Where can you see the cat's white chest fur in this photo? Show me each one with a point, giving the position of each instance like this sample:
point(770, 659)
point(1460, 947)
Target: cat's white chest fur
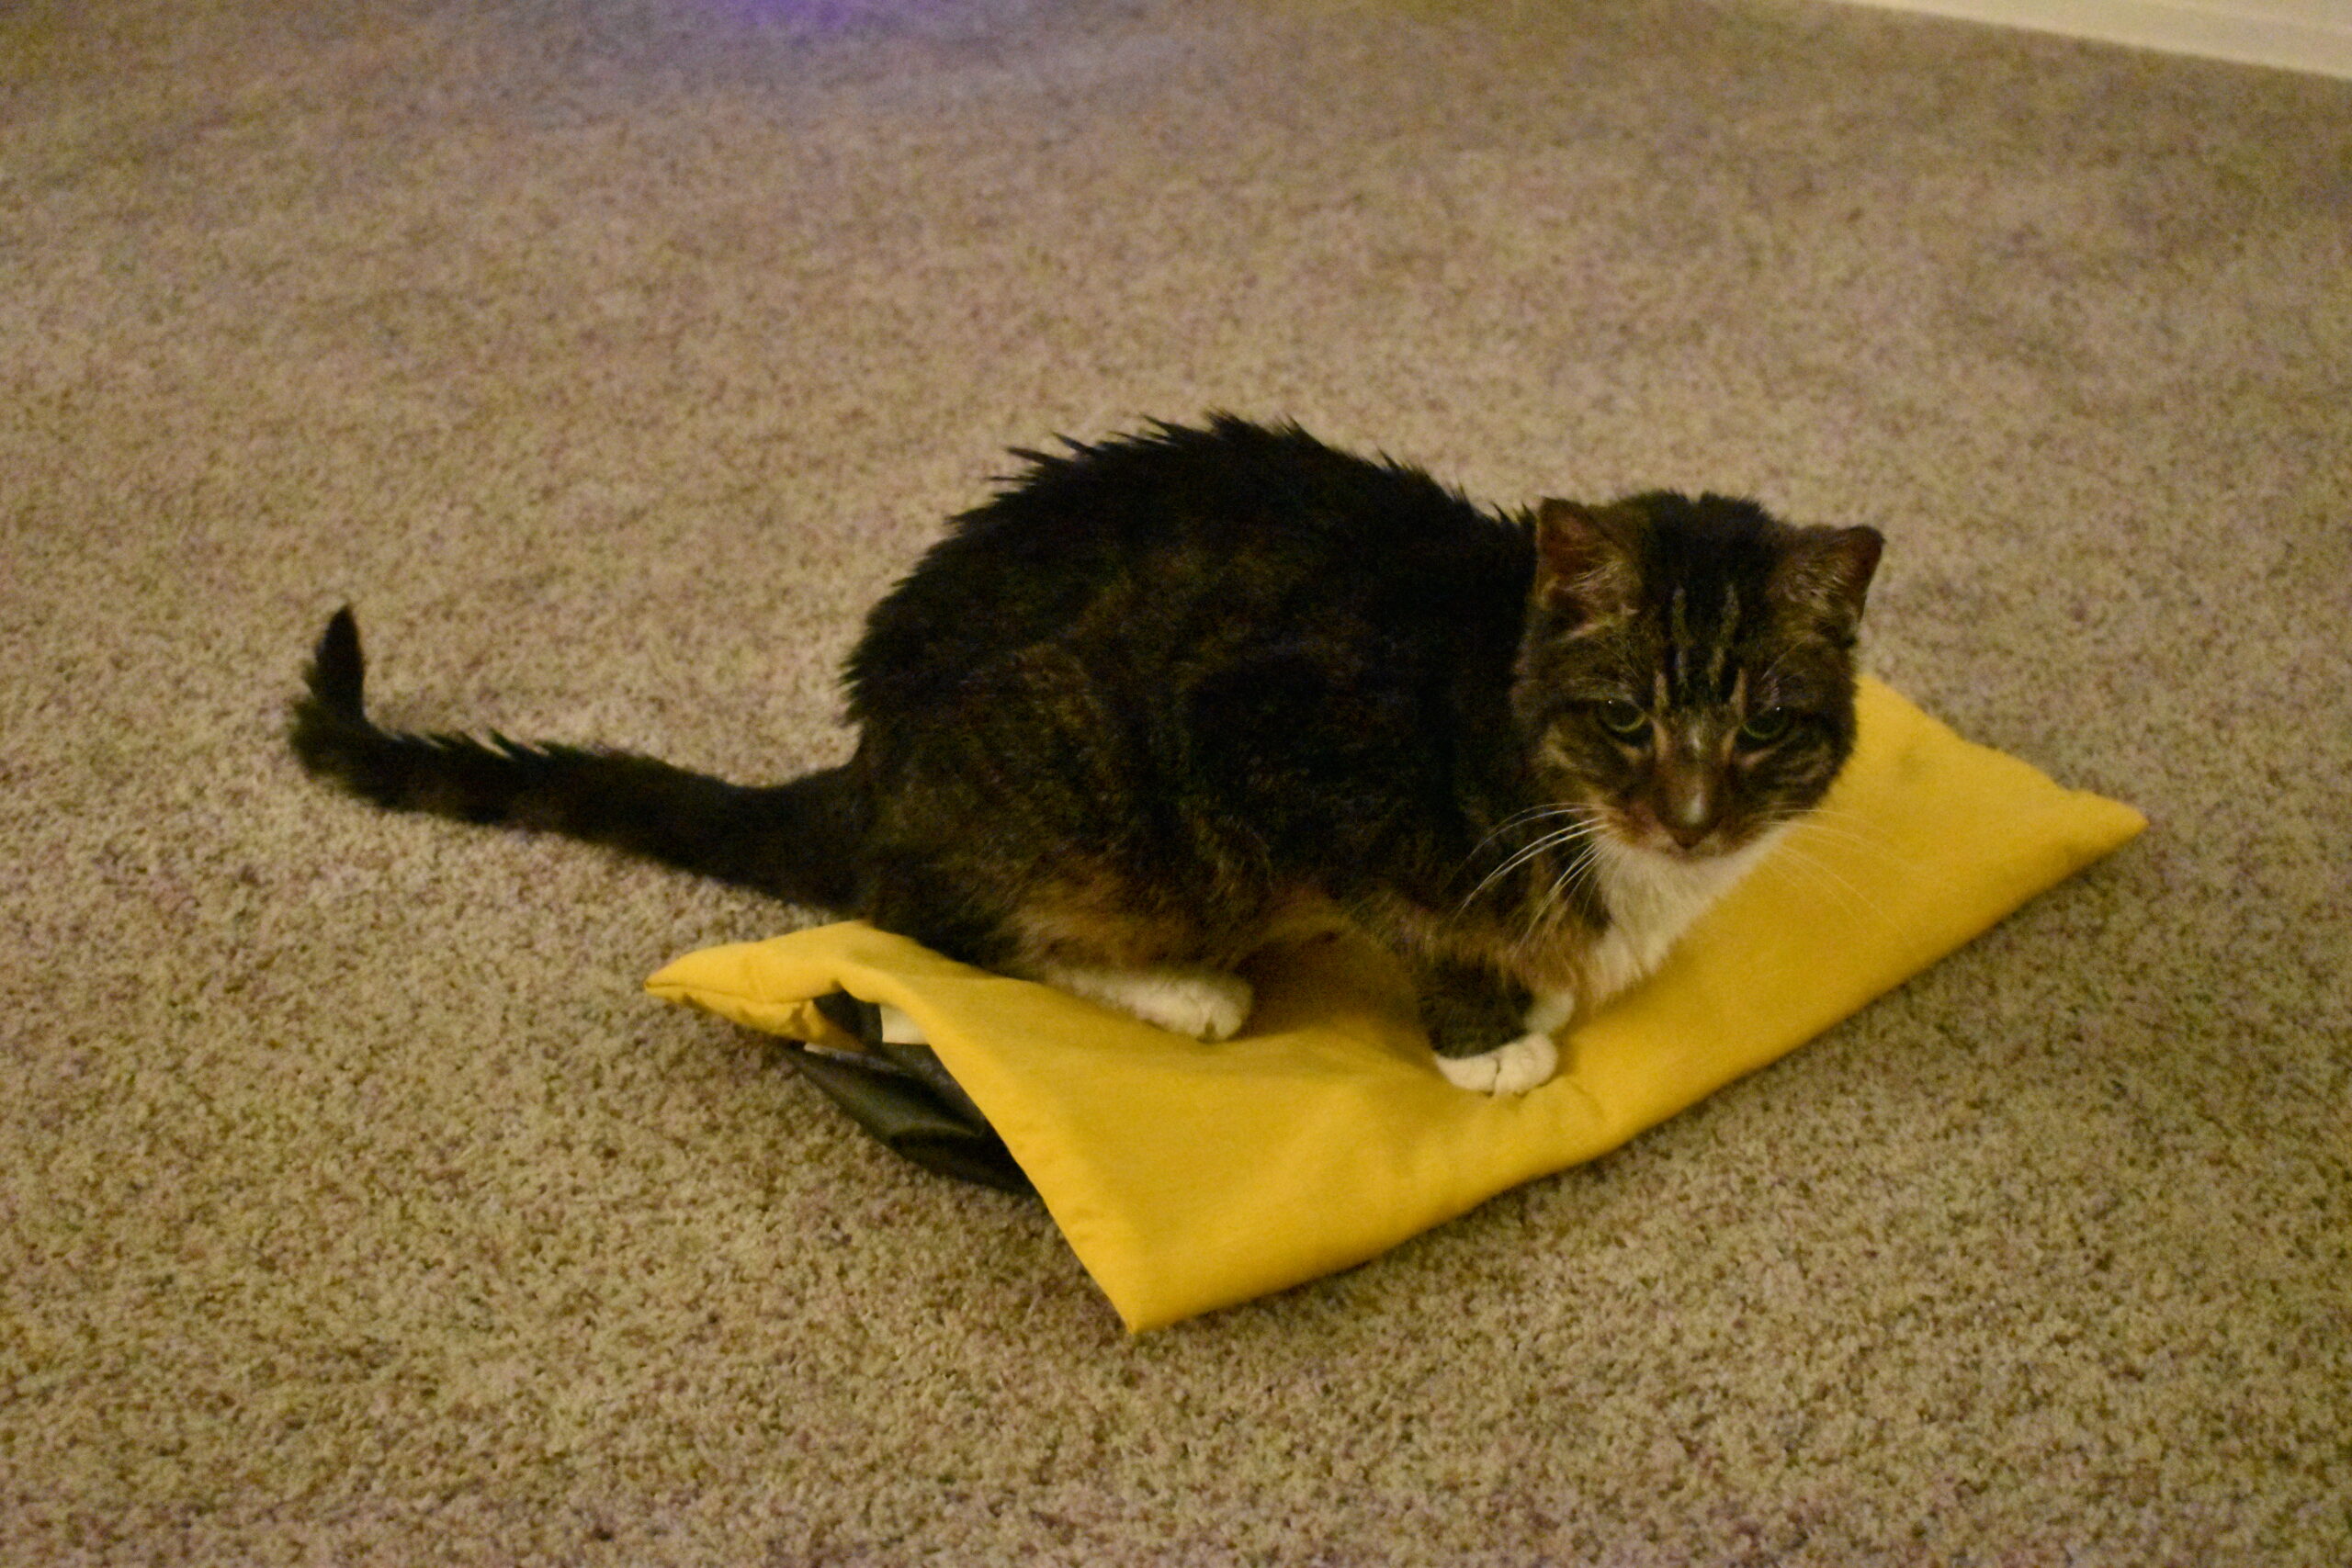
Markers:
point(1652, 899)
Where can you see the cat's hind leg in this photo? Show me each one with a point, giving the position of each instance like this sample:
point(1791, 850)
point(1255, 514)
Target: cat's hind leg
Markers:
point(1118, 944)
point(1149, 968)
point(1162, 953)
point(1201, 1004)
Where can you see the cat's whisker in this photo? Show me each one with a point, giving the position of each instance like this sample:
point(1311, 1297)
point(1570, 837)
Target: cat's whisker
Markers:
point(1815, 840)
point(1828, 826)
point(1820, 874)
point(1548, 841)
point(1516, 861)
point(1578, 828)
point(1531, 814)
point(1845, 832)
point(1837, 820)
point(1583, 828)
point(1580, 872)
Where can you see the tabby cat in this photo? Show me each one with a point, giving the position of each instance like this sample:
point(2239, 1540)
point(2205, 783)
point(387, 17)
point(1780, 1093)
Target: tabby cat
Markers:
point(1161, 694)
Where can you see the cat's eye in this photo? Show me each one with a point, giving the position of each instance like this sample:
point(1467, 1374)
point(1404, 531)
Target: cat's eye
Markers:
point(1765, 727)
point(1625, 720)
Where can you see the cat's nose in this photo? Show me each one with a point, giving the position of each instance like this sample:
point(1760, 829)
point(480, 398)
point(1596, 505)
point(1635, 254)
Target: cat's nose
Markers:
point(1689, 831)
point(1689, 807)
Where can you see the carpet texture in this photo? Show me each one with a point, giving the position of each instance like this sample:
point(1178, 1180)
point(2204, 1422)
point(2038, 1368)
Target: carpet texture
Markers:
point(356, 1206)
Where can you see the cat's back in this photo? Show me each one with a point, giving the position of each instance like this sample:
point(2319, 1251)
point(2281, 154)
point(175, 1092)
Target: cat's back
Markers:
point(1227, 530)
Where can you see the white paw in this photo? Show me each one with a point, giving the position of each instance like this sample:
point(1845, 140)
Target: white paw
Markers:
point(1202, 1004)
point(1515, 1068)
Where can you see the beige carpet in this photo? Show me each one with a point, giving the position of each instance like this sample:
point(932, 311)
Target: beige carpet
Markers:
point(612, 354)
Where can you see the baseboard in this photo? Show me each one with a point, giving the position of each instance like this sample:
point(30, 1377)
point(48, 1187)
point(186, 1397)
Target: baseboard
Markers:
point(2294, 35)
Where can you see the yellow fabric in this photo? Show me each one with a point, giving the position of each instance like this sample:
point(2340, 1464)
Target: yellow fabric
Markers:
point(1188, 1177)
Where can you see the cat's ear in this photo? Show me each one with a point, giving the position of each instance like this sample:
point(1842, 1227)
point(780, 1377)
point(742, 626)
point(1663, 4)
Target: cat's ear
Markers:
point(1587, 557)
point(1826, 574)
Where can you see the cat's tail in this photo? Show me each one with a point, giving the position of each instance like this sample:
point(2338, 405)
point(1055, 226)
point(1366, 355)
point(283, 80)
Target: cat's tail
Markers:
point(798, 842)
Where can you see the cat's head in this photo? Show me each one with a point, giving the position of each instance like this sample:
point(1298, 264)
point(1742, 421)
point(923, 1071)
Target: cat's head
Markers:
point(1687, 676)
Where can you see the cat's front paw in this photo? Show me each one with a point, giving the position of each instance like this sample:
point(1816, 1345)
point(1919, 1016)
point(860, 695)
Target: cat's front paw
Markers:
point(1525, 1062)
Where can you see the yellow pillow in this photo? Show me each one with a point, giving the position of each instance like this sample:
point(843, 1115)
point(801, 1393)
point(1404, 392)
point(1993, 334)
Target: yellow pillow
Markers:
point(1189, 1176)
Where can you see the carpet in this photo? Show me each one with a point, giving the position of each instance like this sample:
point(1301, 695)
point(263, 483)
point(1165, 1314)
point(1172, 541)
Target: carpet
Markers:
point(613, 356)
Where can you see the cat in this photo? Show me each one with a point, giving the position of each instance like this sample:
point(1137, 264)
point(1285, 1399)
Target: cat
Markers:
point(1163, 691)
